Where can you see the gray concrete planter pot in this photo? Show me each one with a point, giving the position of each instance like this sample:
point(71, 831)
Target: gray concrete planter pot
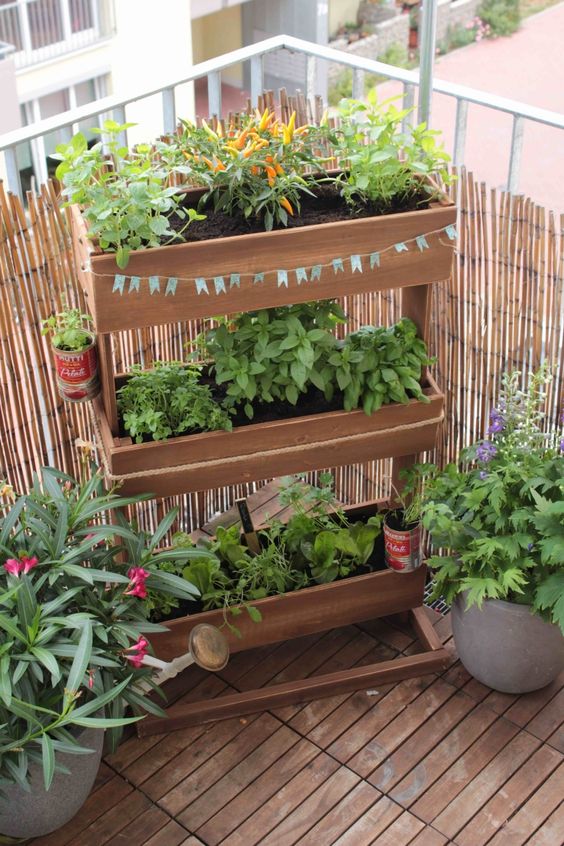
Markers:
point(506, 647)
point(37, 813)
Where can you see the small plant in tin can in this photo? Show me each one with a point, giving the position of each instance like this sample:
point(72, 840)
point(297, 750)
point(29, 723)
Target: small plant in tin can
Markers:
point(402, 524)
point(74, 349)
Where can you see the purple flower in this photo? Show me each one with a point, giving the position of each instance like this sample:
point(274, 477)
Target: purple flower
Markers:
point(530, 547)
point(562, 445)
point(483, 475)
point(497, 422)
point(486, 451)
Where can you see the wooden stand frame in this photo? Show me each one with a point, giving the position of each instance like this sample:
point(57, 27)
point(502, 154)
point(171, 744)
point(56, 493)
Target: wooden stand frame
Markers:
point(413, 272)
point(434, 658)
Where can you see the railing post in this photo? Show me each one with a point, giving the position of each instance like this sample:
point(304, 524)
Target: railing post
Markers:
point(515, 154)
point(12, 171)
point(358, 84)
point(214, 94)
point(460, 132)
point(408, 101)
point(311, 77)
point(169, 111)
point(119, 117)
point(428, 33)
point(257, 80)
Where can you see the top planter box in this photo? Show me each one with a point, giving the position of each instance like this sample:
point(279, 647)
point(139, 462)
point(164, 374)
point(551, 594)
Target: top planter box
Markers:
point(262, 253)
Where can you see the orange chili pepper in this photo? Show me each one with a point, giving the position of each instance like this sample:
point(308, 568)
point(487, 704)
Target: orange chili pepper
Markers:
point(286, 205)
point(240, 141)
point(279, 169)
point(186, 155)
point(219, 166)
point(255, 170)
point(209, 163)
point(271, 172)
point(269, 158)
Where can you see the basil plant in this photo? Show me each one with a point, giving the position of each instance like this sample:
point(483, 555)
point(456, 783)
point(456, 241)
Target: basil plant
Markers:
point(73, 620)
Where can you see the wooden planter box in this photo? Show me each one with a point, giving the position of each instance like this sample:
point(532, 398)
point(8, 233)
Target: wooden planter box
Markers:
point(311, 610)
point(265, 252)
point(266, 450)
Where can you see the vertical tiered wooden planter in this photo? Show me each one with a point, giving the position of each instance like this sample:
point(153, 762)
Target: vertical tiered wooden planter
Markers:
point(259, 451)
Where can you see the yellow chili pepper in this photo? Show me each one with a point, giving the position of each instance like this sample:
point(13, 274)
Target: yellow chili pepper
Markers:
point(250, 148)
point(292, 122)
point(286, 205)
point(264, 120)
point(209, 131)
point(279, 169)
point(219, 129)
point(301, 130)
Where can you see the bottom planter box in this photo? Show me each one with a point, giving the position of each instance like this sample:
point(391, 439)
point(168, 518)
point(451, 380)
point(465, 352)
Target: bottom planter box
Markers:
point(266, 450)
point(310, 610)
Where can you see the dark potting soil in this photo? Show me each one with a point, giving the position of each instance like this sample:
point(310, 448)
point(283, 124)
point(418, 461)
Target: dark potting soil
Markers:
point(326, 207)
point(395, 521)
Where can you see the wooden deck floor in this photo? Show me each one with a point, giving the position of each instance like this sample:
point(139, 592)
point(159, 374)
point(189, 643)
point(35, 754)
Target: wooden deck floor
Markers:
point(426, 762)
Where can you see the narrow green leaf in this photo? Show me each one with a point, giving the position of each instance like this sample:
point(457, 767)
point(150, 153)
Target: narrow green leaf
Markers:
point(48, 754)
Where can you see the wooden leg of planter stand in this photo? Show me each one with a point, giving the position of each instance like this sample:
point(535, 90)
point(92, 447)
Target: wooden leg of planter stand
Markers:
point(293, 692)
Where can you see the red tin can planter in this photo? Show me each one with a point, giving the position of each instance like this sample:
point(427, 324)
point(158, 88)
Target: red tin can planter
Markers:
point(77, 373)
point(402, 546)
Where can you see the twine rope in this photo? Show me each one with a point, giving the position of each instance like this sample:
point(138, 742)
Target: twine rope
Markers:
point(215, 462)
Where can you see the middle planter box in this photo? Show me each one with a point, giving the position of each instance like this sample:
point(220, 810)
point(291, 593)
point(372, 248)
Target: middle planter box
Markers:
point(265, 450)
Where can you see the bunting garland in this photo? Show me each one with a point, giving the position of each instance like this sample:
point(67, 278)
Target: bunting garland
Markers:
point(303, 275)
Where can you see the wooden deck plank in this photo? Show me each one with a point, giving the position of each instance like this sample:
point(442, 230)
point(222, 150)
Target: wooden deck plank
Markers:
point(191, 757)
point(381, 745)
point(314, 808)
point(202, 805)
point(373, 822)
point(429, 734)
point(253, 797)
point(99, 803)
point(483, 786)
point(429, 837)
point(464, 769)
point(549, 719)
point(344, 814)
point(277, 809)
point(551, 832)
point(526, 708)
point(359, 732)
point(400, 832)
point(172, 834)
point(142, 827)
point(532, 815)
point(115, 820)
point(493, 815)
point(217, 765)
point(444, 755)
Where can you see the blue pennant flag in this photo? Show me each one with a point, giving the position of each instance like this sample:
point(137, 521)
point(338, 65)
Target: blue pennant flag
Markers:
point(374, 260)
point(259, 277)
point(401, 247)
point(282, 278)
point(201, 285)
point(219, 285)
point(171, 286)
point(356, 263)
point(154, 285)
point(301, 275)
point(315, 272)
point(421, 242)
point(134, 284)
point(119, 283)
point(338, 265)
point(235, 280)
point(451, 231)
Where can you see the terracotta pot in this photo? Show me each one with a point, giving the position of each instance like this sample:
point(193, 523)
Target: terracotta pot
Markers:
point(505, 646)
point(37, 813)
point(402, 544)
point(77, 372)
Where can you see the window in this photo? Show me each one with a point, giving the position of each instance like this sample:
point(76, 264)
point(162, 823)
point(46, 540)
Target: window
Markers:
point(33, 157)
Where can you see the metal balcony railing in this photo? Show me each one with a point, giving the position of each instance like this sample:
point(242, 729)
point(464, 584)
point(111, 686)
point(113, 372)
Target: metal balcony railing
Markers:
point(254, 55)
point(41, 30)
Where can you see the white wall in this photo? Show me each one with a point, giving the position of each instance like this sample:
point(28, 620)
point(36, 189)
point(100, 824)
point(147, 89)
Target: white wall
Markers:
point(152, 46)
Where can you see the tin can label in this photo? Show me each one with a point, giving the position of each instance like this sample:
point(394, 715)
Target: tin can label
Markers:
point(402, 549)
point(74, 368)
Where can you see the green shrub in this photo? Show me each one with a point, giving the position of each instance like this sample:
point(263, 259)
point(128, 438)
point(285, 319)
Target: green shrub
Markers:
point(502, 16)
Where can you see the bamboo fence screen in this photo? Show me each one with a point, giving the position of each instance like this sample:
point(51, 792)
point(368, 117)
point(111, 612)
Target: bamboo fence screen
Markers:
point(502, 309)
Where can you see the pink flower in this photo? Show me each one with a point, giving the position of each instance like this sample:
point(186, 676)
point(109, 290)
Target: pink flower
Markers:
point(29, 563)
point(16, 566)
point(140, 650)
point(91, 678)
point(137, 576)
point(13, 566)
